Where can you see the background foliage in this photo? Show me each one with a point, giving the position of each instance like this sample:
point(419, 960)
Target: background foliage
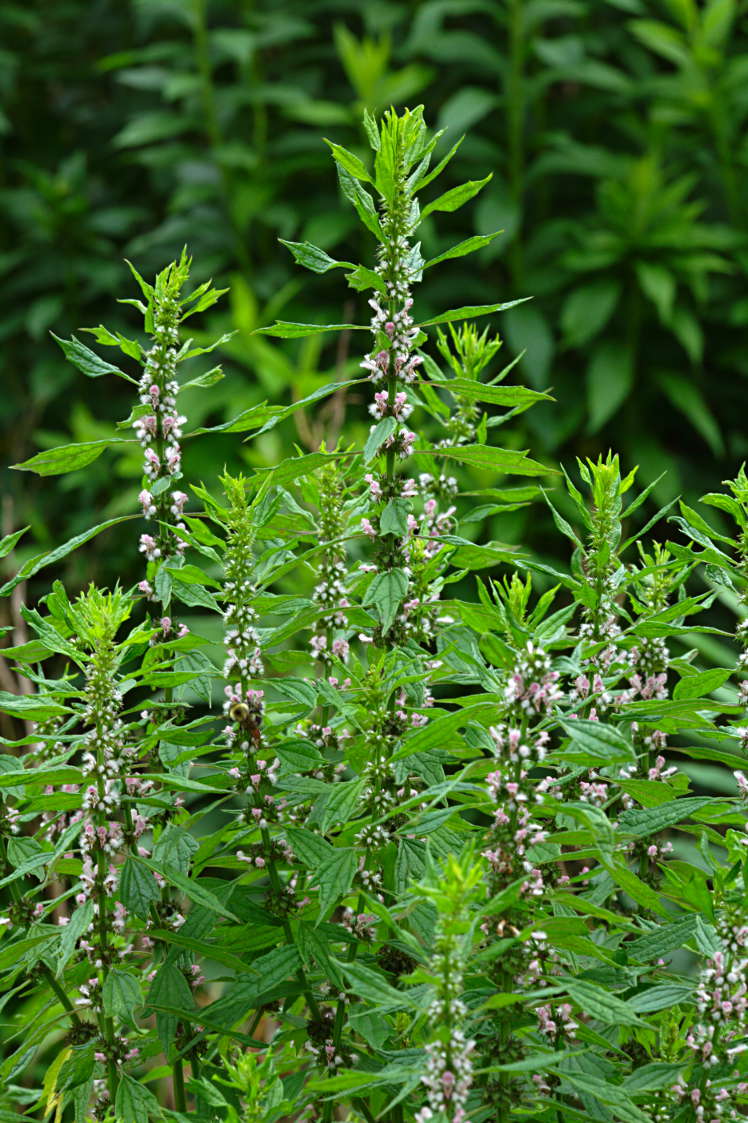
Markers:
point(614, 131)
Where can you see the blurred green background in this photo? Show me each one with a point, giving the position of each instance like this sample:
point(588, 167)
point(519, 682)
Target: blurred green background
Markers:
point(615, 131)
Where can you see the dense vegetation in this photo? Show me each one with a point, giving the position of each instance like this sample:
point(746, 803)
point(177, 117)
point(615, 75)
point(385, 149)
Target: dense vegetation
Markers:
point(336, 812)
point(615, 135)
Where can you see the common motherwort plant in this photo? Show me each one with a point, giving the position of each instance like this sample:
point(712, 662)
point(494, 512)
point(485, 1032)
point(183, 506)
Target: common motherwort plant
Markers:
point(347, 810)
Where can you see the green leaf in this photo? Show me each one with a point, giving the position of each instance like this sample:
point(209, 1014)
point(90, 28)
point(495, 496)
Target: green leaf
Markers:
point(275, 967)
point(134, 1103)
point(661, 997)
point(201, 381)
point(362, 201)
point(476, 391)
point(352, 164)
point(197, 893)
point(494, 459)
point(659, 285)
point(67, 458)
point(599, 1004)
point(429, 177)
point(650, 1077)
point(441, 730)
point(610, 376)
point(462, 249)
point(594, 743)
point(379, 434)
point(308, 846)
point(138, 888)
point(340, 802)
point(334, 878)
point(10, 541)
point(637, 889)
point(120, 994)
point(609, 1094)
point(394, 517)
point(373, 987)
point(470, 311)
point(642, 822)
point(175, 848)
point(71, 933)
point(147, 128)
point(387, 592)
point(453, 199)
point(312, 257)
point(587, 310)
point(87, 361)
point(169, 988)
point(362, 279)
point(282, 329)
point(701, 684)
point(194, 595)
point(29, 706)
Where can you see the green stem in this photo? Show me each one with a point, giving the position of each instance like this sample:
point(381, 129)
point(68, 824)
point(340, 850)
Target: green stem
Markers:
point(180, 1101)
point(61, 996)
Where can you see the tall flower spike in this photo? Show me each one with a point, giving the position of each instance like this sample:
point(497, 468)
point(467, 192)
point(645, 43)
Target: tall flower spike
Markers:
point(244, 704)
point(329, 593)
point(107, 828)
point(449, 1065)
point(159, 426)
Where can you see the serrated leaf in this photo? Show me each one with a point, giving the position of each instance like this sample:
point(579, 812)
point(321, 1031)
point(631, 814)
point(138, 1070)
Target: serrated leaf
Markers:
point(134, 1103)
point(387, 592)
point(394, 517)
point(308, 846)
point(169, 988)
point(497, 395)
point(701, 684)
point(283, 329)
point(67, 458)
point(378, 435)
point(334, 878)
point(598, 1003)
point(362, 279)
point(138, 888)
point(175, 848)
point(495, 460)
point(471, 311)
point(362, 201)
point(196, 893)
point(29, 706)
point(456, 197)
point(87, 361)
point(594, 743)
point(470, 245)
point(642, 822)
point(340, 803)
point(120, 994)
point(348, 160)
point(312, 257)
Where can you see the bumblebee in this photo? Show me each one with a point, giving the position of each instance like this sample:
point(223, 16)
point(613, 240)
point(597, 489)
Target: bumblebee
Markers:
point(239, 712)
point(247, 718)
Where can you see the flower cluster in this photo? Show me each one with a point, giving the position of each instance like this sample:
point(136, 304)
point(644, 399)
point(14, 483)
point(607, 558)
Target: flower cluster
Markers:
point(329, 593)
point(718, 1035)
point(243, 662)
point(449, 1053)
point(159, 426)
